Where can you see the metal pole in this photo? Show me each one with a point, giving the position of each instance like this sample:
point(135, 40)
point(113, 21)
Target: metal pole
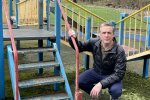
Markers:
point(47, 12)
point(146, 60)
point(57, 34)
point(2, 77)
point(88, 34)
point(40, 25)
point(121, 29)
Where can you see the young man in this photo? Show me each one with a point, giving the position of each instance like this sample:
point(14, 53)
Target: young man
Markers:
point(109, 63)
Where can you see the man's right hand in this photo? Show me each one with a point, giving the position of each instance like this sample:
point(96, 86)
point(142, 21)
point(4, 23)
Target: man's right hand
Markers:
point(72, 33)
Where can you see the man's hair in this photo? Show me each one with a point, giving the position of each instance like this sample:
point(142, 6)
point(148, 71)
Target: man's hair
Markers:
point(107, 24)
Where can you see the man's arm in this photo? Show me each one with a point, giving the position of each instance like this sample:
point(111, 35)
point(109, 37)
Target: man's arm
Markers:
point(119, 71)
point(82, 45)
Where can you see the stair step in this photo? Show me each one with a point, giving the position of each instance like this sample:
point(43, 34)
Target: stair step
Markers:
point(54, 96)
point(40, 81)
point(35, 50)
point(40, 64)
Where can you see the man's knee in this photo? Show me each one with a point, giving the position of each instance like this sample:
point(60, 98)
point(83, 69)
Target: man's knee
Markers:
point(115, 92)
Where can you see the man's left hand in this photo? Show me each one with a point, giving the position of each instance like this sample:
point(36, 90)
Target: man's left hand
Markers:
point(95, 90)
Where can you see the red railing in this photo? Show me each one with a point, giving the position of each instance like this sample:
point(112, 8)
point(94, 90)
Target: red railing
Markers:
point(78, 94)
point(14, 50)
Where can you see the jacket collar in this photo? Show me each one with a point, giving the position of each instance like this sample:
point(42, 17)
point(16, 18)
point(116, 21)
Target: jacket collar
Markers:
point(113, 50)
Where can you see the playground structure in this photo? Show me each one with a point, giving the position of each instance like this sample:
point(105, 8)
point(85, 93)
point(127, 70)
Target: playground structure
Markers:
point(131, 25)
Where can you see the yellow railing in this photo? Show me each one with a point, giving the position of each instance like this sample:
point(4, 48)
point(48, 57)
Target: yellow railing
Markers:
point(78, 19)
point(135, 26)
point(28, 12)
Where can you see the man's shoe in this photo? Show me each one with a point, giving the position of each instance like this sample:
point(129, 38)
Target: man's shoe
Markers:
point(112, 98)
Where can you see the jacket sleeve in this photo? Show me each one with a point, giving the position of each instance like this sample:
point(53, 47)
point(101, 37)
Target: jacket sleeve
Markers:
point(82, 45)
point(118, 73)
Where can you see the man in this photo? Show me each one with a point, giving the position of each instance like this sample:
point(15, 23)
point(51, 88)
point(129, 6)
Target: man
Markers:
point(109, 63)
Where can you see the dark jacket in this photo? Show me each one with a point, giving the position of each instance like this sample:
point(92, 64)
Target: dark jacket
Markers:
point(114, 63)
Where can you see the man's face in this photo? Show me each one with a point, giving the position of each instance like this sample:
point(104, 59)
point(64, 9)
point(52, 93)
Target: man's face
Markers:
point(107, 34)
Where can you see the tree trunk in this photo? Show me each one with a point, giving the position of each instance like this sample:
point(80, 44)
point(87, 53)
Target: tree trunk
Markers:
point(75, 1)
point(91, 1)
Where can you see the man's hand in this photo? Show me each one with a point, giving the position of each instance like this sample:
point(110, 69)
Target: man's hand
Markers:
point(96, 89)
point(72, 33)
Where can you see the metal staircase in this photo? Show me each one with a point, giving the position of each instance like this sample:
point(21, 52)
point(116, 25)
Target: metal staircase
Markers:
point(27, 83)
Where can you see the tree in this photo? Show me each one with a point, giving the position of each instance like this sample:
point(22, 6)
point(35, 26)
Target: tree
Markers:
point(75, 1)
point(91, 1)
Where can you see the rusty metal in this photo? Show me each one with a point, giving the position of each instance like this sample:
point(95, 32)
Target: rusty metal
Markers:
point(36, 65)
point(52, 96)
point(35, 50)
point(140, 20)
point(40, 81)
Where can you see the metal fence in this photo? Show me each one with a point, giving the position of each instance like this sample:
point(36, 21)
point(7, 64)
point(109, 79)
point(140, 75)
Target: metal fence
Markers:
point(111, 13)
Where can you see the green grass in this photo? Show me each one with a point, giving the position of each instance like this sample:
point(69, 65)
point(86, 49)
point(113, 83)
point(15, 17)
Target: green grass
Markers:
point(134, 86)
point(109, 14)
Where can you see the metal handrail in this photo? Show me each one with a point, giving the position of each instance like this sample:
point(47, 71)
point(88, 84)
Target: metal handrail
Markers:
point(14, 50)
point(75, 45)
point(87, 10)
point(132, 14)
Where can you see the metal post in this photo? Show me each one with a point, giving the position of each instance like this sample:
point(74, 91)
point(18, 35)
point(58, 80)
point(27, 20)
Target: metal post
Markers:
point(121, 29)
point(88, 34)
point(16, 6)
point(47, 12)
point(146, 60)
point(57, 34)
point(40, 25)
point(40, 55)
point(40, 16)
point(2, 77)
point(10, 10)
point(114, 24)
point(57, 24)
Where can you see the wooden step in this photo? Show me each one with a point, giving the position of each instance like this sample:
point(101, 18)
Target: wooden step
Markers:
point(35, 50)
point(36, 65)
point(40, 81)
point(54, 96)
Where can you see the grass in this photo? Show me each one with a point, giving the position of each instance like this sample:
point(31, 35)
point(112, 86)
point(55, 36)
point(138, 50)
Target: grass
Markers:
point(135, 86)
point(107, 13)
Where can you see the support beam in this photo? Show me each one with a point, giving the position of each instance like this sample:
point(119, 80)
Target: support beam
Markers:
point(88, 34)
point(40, 25)
point(146, 60)
point(57, 34)
point(121, 29)
point(10, 10)
point(47, 12)
point(16, 11)
point(2, 77)
point(57, 24)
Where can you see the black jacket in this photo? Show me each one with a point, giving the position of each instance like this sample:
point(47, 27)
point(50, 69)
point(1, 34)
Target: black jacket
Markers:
point(114, 63)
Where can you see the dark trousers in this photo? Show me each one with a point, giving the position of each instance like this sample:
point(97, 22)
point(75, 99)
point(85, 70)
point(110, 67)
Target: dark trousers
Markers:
point(88, 78)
